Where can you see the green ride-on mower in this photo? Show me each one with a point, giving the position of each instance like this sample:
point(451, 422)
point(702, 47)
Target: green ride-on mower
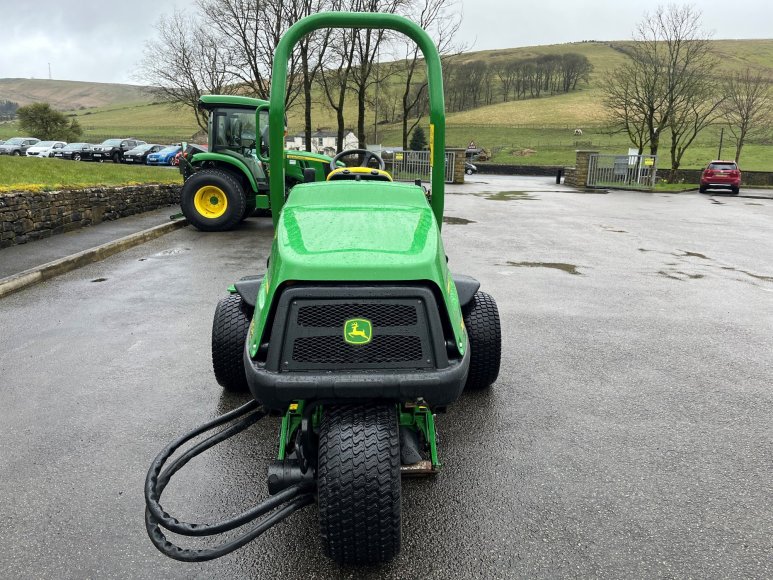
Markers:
point(228, 183)
point(357, 335)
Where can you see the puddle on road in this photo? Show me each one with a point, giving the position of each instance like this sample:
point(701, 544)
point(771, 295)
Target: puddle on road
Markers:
point(170, 252)
point(757, 276)
point(456, 221)
point(613, 230)
point(99, 280)
point(568, 268)
point(751, 203)
point(712, 200)
point(686, 254)
point(511, 195)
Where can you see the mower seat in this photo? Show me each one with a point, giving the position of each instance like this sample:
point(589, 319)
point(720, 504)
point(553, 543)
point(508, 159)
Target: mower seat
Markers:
point(358, 174)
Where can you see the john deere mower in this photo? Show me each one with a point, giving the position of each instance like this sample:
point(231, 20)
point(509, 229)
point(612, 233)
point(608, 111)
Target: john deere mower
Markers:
point(357, 335)
point(228, 182)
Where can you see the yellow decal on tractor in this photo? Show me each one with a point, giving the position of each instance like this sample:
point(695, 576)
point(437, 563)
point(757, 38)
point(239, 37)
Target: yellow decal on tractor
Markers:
point(358, 331)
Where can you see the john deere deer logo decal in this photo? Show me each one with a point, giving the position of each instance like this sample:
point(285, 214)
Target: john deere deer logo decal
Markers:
point(358, 331)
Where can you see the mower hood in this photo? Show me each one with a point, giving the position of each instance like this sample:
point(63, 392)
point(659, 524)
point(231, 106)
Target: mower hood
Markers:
point(358, 231)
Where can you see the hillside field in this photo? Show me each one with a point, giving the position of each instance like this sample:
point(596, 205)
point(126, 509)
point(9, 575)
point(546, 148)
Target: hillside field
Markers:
point(535, 132)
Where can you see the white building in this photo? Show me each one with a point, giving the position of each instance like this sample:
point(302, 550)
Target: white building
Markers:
point(321, 142)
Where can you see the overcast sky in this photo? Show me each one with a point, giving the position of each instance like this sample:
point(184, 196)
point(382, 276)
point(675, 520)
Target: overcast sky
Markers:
point(102, 41)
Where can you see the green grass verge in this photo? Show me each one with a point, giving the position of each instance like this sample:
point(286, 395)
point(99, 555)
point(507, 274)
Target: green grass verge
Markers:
point(30, 174)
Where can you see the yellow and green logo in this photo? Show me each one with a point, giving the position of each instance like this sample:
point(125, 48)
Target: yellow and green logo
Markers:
point(358, 331)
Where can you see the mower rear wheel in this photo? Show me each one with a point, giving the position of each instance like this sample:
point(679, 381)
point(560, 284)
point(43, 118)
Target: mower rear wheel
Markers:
point(213, 200)
point(229, 333)
point(358, 484)
point(481, 317)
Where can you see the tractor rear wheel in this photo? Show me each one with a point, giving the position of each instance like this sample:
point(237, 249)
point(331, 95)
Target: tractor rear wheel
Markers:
point(229, 333)
point(481, 317)
point(358, 484)
point(213, 200)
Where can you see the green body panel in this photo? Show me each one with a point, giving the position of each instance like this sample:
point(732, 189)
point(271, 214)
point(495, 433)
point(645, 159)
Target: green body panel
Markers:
point(295, 163)
point(212, 101)
point(357, 231)
point(358, 20)
point(253, 174)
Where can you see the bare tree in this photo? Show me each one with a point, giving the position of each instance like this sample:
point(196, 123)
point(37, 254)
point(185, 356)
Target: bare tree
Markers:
point(334, 80)
point(749, 105)
point(626, 101)
point(367, 46)
point(669, 60)
point(185, 61)
point(250, 30)
point(311, 50)
point(441, 19)
point(697, 110)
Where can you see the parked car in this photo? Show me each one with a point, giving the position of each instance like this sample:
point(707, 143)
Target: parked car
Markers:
point(114, 149)
point(44, 148)
point(165, 156)
point(1, 141)
point(469, 168)
point(139, 155)
point(721, 175)
point(17, 145)
point(74, 152)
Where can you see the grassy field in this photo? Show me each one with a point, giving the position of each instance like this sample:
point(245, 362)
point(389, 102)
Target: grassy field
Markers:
point(31, 174)
point(529, 132)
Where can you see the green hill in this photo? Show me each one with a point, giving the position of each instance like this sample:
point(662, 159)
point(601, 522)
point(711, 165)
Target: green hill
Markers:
point(527, 131)
point(70, 95)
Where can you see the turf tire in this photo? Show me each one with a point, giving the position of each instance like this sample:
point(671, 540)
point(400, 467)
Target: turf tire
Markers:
point(358, 481)
point(481, 317)
point(229, 333)
point(236, 198)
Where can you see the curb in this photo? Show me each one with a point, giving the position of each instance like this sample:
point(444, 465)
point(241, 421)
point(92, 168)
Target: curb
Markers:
point(47, 271)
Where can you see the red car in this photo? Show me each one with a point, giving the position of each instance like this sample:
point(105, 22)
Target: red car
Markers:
point(721, 175)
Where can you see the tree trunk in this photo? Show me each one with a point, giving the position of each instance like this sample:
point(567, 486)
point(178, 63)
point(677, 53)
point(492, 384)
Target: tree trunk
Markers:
point(306, 95)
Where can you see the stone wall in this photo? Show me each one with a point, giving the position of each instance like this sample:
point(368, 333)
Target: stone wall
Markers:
point(502, 169)
point(748, 178)
point(579, 176)
point(27, 216)
point(459, 159)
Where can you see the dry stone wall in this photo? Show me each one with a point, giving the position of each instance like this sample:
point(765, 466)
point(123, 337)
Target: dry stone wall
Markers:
point(27, 216)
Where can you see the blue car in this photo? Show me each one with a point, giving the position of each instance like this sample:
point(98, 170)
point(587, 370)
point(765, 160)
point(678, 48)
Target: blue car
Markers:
point(163, 157)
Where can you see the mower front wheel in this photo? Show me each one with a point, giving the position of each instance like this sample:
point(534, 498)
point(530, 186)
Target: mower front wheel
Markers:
point(358, 484)
point(481, 318)
point(213, 200)
point(229, 333)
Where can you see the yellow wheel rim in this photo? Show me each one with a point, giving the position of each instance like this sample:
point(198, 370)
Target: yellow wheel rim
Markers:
point(210, 201)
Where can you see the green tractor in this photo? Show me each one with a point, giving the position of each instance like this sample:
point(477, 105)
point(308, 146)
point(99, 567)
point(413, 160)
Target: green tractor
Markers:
point(228, 183)
point(357, 335)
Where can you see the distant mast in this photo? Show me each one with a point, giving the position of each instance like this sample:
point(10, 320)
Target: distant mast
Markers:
point(49, 71)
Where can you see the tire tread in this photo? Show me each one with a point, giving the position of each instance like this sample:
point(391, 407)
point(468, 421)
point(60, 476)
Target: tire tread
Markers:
point(359, 484)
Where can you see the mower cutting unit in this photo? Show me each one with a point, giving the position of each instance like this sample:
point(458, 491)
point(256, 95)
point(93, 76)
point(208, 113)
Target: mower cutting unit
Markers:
point(357, 335)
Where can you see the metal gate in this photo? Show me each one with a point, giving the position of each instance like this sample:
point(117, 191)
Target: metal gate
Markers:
point(412, 165)
point(622, 171)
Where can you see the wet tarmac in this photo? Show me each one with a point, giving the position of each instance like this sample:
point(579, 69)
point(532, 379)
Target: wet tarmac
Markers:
point(629, 434)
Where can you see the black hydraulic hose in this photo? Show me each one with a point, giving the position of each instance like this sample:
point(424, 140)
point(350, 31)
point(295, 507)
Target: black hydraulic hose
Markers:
point(204, 554)
point(157, 480)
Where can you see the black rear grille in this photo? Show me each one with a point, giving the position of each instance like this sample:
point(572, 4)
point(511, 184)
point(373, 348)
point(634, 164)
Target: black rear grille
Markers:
point(387, 349)
point(334, 315)
point(403, 322)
